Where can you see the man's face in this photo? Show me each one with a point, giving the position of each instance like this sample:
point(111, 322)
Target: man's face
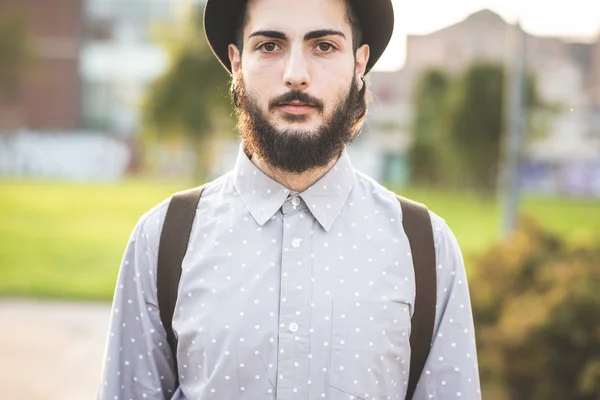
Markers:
point(297, 70)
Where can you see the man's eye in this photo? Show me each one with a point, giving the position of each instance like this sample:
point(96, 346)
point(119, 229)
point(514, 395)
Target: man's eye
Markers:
point(269, 47)
point(325, 47)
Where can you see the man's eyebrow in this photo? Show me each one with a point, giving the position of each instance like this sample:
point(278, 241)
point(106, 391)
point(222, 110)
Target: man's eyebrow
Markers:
point(309, 36)
point(271, 34)
point(321, 33)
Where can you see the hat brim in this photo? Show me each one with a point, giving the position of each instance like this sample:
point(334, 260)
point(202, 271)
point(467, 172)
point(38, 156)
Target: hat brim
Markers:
point(221, 18)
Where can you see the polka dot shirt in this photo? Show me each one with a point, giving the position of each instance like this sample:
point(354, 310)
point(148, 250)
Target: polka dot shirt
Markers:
point(289, 295)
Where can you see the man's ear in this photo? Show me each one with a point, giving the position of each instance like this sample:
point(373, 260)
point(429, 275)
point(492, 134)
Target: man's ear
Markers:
point(362, 58)
point(235, 58)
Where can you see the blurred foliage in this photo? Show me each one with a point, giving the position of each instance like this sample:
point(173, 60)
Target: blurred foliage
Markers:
point(459, 125)
point(426, 152)
point(17, 52)
point(536, 304)
point(476, 122)
point(190, 102)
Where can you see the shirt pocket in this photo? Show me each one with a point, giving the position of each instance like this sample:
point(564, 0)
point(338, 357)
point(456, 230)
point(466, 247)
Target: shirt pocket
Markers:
point(370, 351)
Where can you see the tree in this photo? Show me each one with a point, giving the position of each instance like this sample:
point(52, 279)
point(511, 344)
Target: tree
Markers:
point(475, 122)
point(190, 102)
point(425, 155)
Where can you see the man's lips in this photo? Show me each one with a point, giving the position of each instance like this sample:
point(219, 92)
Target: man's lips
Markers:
point(296, 108)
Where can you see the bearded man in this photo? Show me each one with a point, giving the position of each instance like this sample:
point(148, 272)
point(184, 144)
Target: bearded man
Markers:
point(298, 276)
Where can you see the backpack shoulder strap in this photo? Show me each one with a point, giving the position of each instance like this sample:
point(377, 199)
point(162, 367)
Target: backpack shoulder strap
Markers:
point(417, 225)
point(172, 247)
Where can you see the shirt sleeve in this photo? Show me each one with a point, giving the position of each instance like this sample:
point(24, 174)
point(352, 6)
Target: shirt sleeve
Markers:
point(137, 363)
point(451, 371)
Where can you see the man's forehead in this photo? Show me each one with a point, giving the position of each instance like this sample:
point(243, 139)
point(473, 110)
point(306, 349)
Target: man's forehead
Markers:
point(299, 16)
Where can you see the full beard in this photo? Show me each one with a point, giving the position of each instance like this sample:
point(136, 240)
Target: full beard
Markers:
point(298, 150)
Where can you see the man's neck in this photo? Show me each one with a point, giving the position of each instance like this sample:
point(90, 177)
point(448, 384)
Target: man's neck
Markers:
point(295, 182)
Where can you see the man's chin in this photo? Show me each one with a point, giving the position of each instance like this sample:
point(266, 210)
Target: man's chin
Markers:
point(304, 125)
point(299, 130)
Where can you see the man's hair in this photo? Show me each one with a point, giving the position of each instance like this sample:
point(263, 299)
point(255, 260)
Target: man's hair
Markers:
point(351, 17)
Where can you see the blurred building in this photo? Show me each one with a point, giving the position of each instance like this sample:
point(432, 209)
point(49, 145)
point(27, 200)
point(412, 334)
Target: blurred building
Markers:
point(595, 85)
point(568, 76)
point(97, 57)
point(568, 73)
point(595, 66)
point(119, 59)
point(94, 60)
point(49, 93)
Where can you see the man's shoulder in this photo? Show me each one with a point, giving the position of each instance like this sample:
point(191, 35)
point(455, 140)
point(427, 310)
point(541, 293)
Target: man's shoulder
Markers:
point(367, 185)
point(371, 185)
point(158, 212)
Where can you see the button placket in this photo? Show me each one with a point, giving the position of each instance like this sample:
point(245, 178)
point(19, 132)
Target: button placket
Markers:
point(293, 349)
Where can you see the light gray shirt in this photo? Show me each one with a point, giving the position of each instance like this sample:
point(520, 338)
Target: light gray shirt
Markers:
point(289, 296)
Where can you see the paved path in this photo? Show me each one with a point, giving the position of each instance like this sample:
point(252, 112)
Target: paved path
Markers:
point(51, 350)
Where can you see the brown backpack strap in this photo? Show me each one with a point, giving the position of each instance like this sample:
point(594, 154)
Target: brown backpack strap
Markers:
point(173, 244)
point(417, 225)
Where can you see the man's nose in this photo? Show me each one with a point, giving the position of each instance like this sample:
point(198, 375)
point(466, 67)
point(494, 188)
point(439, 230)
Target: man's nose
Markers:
point(297, 75)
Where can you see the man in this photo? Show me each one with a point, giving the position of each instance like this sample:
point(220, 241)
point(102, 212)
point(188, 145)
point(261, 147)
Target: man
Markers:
point(298, 280)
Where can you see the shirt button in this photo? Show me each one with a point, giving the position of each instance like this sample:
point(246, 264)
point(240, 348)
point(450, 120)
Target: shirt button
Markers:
point(294, 327)
point(296, 242)
point(295, 201)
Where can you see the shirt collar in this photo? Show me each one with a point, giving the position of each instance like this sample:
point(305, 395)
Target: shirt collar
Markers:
point(264, 196)
point(326, 197)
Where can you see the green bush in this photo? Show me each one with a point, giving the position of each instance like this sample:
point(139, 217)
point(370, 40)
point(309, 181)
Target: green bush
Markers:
point(536, 304)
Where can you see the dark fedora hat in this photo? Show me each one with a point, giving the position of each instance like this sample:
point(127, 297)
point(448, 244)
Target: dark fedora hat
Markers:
point(221, 19)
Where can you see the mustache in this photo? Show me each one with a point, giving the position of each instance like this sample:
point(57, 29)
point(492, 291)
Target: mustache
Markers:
point(298, 96)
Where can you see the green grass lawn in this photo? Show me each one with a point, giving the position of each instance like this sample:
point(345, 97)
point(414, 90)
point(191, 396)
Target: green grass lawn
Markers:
point(477, 223)
point(66, 240)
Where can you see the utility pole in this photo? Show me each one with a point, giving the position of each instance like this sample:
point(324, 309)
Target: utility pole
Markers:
point(513, 141)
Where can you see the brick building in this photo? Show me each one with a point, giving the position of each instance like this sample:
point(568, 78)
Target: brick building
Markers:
point(49, 92)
